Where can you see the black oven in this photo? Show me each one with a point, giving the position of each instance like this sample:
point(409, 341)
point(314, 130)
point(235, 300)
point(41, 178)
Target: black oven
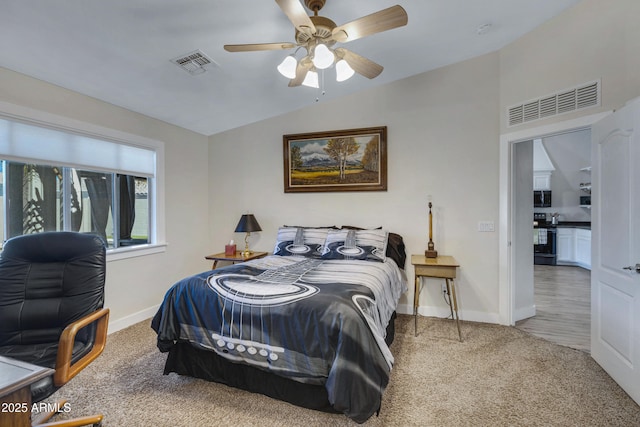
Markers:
point(544, 241)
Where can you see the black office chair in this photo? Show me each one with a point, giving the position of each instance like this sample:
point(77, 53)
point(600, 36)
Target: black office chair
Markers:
point(51, 308)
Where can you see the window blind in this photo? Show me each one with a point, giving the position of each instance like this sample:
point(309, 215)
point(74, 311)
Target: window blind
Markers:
point(34, 144)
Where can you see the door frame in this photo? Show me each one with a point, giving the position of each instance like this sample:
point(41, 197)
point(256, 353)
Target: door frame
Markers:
point(506, 270)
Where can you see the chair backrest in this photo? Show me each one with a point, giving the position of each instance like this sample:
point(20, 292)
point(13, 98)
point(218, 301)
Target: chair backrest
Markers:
point(48, 280)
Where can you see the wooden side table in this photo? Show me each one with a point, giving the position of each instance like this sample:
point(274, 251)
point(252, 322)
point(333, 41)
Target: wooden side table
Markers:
point(16, 378)
point(441, 267)
point(238, 257)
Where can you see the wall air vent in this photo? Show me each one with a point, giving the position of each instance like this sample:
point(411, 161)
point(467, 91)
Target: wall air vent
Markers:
point(583, 96)
point(194, 62)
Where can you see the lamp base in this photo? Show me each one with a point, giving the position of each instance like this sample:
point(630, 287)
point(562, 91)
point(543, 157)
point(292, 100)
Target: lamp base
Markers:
point(431, 253)
point(246, 251)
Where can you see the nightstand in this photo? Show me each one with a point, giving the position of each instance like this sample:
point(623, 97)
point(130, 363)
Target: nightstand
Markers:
point(441, 267)
point(238, 257)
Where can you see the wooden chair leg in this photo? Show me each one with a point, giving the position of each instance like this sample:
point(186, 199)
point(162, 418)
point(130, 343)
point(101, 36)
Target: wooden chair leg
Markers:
point(94, 420)
point(41, 419)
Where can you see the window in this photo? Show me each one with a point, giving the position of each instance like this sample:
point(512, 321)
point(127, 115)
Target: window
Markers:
point(53, 180)
point(40, 198)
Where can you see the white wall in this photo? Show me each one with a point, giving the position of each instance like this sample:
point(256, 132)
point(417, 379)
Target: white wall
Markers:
point(442, 133)
point(592, 40)
point(136, 285)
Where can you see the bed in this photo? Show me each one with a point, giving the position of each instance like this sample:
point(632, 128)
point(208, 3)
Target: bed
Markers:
point(310, 324)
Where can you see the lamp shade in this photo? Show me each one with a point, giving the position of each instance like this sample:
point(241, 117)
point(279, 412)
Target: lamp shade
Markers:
point(247, 224)
point(343, 70)
point(288, 67)
point(311, 80)
point(322, 57)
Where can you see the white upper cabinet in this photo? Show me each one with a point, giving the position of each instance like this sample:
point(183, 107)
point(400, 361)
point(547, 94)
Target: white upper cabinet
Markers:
point(541, 181)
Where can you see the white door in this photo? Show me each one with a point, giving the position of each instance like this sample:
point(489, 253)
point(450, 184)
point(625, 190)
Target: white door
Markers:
point(615, 274)
point(522, 249)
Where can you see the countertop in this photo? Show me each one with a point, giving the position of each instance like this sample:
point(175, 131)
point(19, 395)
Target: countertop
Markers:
point(574, 224)
point(585, 225)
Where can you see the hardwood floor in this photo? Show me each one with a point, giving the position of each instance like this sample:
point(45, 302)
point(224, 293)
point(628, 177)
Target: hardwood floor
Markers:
point(563, 306)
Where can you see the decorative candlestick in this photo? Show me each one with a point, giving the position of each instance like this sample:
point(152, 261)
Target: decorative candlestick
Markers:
point(430, 252)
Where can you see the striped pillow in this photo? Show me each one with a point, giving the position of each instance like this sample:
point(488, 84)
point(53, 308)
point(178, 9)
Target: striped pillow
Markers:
point(370, 245)
point(307, 242)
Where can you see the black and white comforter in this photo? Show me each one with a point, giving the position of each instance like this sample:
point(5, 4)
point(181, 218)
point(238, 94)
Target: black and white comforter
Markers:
point(314, 321)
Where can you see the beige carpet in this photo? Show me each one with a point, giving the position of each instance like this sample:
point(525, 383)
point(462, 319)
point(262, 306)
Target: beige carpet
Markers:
point(499, 376)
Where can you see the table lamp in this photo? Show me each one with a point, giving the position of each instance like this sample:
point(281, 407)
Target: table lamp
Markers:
point(247, 224)
point(431, 250)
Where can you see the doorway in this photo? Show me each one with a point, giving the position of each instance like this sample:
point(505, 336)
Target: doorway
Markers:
point(514, 250)
point(553, 293)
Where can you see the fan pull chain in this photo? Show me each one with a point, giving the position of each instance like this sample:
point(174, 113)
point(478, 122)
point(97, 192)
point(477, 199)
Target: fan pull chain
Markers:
point(321, 85)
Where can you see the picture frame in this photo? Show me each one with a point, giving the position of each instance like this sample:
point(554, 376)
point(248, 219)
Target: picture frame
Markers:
point(338, 160)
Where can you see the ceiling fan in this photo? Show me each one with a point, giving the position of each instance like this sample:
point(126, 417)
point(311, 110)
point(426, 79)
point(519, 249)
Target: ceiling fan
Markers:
point(318, 35)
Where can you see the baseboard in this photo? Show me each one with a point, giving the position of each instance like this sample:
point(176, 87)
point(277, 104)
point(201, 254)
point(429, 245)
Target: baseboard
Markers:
point(575, 264)
point(524, 313)
point(132, 319)
point(444, 312)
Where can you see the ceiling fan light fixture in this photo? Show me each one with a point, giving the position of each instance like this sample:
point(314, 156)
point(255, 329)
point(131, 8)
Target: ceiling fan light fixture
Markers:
point(343, 71)
point(288, 67)
point(317, 35)
point(311, 80)
point(322, 57)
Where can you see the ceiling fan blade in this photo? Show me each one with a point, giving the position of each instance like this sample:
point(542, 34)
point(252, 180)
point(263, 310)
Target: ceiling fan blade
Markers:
point(297, 15)
point(302, 69)
point(383, 20)
point(258, 46)
point(360, 64)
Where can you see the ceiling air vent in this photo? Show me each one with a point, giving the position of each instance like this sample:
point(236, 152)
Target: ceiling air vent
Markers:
point(583, 96)
point(194, 62)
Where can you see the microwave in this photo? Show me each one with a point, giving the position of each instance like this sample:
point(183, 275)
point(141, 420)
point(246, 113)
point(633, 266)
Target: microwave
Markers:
point(542, 199)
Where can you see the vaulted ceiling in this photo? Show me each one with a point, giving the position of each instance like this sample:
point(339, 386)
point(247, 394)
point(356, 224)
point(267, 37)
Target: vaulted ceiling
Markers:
point(121, 51)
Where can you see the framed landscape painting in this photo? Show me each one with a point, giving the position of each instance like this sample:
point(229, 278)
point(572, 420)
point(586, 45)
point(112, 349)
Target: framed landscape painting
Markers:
point(341, 160)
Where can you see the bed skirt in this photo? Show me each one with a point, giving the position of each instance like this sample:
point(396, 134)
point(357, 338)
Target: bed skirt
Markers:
point(184, 359)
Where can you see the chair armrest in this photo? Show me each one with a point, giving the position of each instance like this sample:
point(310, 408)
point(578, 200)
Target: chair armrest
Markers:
point(64, 369)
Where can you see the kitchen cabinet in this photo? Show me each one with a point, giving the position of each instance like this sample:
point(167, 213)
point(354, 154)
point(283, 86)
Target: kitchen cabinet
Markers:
point(542, 167)
point(583, 248)
point(574, 247)
point(566, 245)
point(541, 181)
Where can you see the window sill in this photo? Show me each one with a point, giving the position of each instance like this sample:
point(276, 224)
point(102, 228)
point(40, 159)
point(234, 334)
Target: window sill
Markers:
point(135, 251)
